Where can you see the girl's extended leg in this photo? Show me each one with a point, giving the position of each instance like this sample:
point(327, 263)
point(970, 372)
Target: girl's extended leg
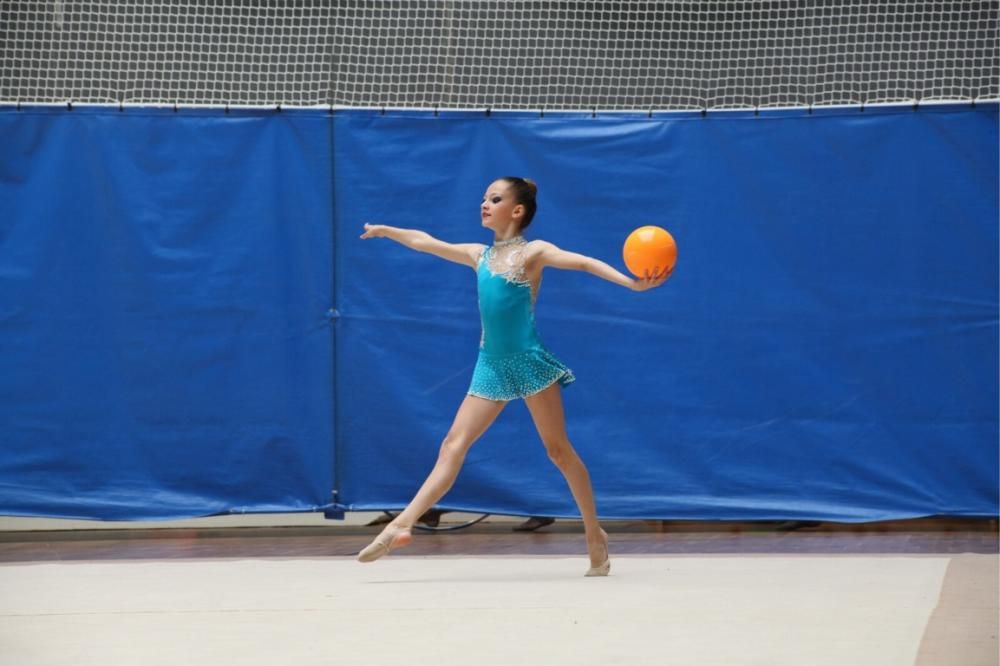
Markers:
point(547, 412)
point(474, 416)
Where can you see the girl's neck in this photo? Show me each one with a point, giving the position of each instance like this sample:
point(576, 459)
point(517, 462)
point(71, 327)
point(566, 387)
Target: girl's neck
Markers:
point(510, 240)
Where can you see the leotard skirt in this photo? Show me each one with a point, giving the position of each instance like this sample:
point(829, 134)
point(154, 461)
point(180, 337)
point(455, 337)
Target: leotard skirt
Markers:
point(518, 375)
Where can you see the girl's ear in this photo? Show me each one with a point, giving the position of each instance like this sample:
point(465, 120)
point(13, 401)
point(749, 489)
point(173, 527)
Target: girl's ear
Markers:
point(517, 211)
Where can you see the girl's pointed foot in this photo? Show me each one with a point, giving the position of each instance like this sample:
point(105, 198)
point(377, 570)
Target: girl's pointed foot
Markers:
point(391, 537)
point(604, 566)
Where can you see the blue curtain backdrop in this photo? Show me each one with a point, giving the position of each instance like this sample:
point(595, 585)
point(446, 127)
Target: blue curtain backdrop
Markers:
point(164, 344)
point(190, 324)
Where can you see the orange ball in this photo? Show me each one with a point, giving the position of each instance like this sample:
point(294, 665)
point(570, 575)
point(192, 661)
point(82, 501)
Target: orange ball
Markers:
point(649, 248)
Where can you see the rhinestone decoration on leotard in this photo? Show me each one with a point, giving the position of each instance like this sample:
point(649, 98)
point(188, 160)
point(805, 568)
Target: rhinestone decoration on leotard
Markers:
point(506, 259)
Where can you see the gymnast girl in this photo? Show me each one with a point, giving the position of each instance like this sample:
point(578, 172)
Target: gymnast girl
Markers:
point(512, 363)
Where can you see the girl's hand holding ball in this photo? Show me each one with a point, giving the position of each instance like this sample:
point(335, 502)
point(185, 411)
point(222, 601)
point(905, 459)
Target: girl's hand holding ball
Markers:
point(650, 254)
point(652, 280)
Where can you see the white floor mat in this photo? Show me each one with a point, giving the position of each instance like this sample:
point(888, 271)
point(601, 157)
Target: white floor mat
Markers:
point(725, 610)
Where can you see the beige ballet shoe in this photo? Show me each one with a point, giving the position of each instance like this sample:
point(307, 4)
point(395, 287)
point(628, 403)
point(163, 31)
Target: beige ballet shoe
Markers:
point(391, 537)
point(604, 568)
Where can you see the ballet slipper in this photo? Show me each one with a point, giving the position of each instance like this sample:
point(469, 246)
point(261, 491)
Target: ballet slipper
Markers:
point(604, 568)
point(391, 537)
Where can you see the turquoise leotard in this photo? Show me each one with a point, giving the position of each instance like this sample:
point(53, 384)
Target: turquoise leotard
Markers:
point(512, 361)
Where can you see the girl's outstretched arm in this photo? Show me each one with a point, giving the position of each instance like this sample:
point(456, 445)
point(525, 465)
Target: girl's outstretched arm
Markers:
point(421, 241)
point(550, 255)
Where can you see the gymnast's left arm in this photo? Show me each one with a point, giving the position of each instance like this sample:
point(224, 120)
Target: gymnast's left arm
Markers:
point(550, 255)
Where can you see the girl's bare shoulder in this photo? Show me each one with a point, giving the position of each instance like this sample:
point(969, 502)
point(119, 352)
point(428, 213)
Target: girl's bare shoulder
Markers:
point(534, 251)
point(537, 246)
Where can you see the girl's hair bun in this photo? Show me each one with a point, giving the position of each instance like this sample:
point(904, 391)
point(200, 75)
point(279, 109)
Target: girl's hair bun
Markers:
point(524, 190)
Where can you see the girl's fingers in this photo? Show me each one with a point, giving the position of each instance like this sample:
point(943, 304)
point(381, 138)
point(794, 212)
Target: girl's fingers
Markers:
point(653, 278)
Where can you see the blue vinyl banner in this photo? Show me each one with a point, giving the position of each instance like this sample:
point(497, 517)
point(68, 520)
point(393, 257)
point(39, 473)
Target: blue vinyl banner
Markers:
point(165, 347)
point(826, 348)
point(190, 325)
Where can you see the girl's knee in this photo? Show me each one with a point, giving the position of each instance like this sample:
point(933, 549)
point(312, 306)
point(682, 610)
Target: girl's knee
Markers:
point(454, 446)
point(560, 451)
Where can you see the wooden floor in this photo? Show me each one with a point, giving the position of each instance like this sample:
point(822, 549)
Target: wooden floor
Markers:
point(921, 536)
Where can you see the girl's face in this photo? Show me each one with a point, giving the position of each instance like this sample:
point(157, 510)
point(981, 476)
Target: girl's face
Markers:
point(499, 210)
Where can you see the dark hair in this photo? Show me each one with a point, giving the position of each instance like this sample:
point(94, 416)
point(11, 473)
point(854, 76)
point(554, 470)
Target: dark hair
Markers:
point(524, 190)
